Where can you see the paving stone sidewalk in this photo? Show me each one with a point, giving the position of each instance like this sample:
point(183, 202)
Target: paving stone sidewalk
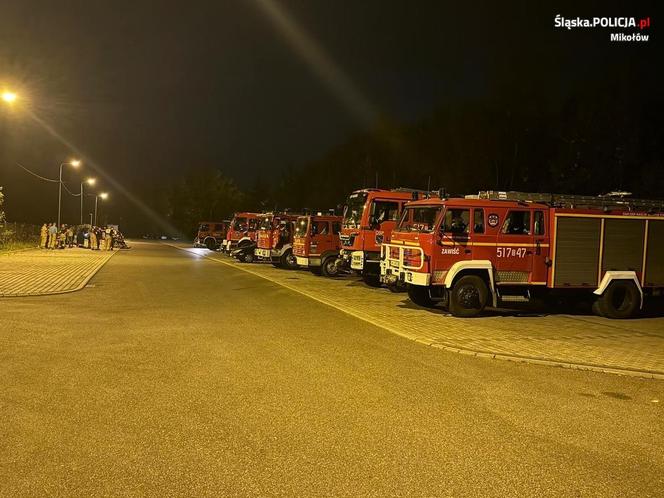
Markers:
point(584, 341)
point(38, 272)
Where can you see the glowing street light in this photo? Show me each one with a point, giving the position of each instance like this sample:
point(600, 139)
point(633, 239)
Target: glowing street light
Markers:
point(89, 181)
point(9, 97)
point(75, 163)
point(103, 196)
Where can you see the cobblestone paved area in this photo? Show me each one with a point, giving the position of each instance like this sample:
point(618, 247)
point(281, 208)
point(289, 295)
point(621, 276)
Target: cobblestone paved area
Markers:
point(41, 272)
point(578, 341)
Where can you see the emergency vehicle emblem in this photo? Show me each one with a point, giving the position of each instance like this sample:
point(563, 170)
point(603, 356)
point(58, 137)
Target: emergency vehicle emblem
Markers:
point(493, 220)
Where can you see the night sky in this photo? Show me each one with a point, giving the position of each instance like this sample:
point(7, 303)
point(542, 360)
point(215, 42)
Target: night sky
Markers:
point(145, 90)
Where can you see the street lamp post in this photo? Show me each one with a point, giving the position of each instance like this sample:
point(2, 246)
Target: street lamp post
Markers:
point(89, 181)
point(74, 164)
point(103, 195)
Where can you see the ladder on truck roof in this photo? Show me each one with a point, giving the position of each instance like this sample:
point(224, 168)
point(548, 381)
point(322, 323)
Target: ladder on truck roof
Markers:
point(612, 200)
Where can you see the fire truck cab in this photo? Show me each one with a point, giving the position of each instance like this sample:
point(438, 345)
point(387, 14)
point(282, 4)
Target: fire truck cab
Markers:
point(274, 241)
point(211, 234)
point(504, 247)
point(369, 217)
point(316, 244)
point(241, 231)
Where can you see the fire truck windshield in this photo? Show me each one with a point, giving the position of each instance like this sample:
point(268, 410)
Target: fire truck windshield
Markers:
point(266, 223)
point(301, 227)
point(419, 219)
point(354, 210)
point(204, 227)
point(240, 224)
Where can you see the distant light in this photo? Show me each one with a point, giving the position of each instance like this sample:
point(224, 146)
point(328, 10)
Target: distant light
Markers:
point(75, 163)
point(103, 195)
point(9, 97)
point(90, 181)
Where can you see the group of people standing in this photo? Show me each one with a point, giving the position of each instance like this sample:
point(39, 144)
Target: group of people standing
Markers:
point(86, 236)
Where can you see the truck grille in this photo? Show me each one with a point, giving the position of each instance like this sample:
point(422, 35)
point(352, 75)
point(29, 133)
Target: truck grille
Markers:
point(347, 240)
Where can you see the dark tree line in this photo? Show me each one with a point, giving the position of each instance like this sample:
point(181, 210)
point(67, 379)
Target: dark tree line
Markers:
point(590, 144)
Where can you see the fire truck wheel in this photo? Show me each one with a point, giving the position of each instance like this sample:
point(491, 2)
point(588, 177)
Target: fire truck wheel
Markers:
point(420, 296)
point(620, 300)
point(468, 296)
point(329, 267)
point(210, 244)
point(288, 261)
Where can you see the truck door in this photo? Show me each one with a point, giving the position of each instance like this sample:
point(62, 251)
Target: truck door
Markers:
point(383, 219)
point(541, 261)
point(515, 246)
point(321, 236)
point(454, 239)
point(483, 235)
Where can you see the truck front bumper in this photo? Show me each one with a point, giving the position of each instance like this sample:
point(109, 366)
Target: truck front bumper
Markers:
point(393, 276)
point(308, 262)
point(263, 253)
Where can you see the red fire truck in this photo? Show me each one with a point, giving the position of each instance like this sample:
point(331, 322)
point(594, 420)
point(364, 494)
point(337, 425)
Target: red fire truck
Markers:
point(504, 247)
point(316, 244)
point(369, 217)
point(211, 234)
point(275, 239)
point(241, 231)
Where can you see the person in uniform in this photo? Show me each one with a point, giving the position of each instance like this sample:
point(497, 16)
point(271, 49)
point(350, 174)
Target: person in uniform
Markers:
point(70, 237)
point(52, 236)
point(62, 237)
point(43, 234)
point(108, 237)
point(93, 238)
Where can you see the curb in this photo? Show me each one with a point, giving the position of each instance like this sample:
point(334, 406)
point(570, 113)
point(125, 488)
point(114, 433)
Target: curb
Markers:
point(643, 374)
point(80, 286)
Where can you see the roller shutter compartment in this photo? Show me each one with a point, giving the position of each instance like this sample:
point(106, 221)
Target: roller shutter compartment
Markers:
point(655, 254)
point(577, 251)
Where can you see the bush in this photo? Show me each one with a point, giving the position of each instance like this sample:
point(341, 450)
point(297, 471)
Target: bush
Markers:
point(18, 236)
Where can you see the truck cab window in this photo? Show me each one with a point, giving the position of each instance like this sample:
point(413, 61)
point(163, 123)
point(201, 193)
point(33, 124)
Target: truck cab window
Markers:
point(336, 228)
point(384, 211)
point(516, 223)
point(456, 221)
point(319, 228)
point(478, 220)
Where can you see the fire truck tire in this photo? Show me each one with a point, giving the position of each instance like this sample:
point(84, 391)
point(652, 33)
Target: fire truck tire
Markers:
point(420, 296)
point(468, 296)
point(621, 299)
point(329, 267)
point(210, 244)
point(371, 280)
point(288, 260)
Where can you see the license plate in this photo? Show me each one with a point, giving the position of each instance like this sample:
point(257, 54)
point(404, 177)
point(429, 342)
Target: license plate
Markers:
point(263, 253)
